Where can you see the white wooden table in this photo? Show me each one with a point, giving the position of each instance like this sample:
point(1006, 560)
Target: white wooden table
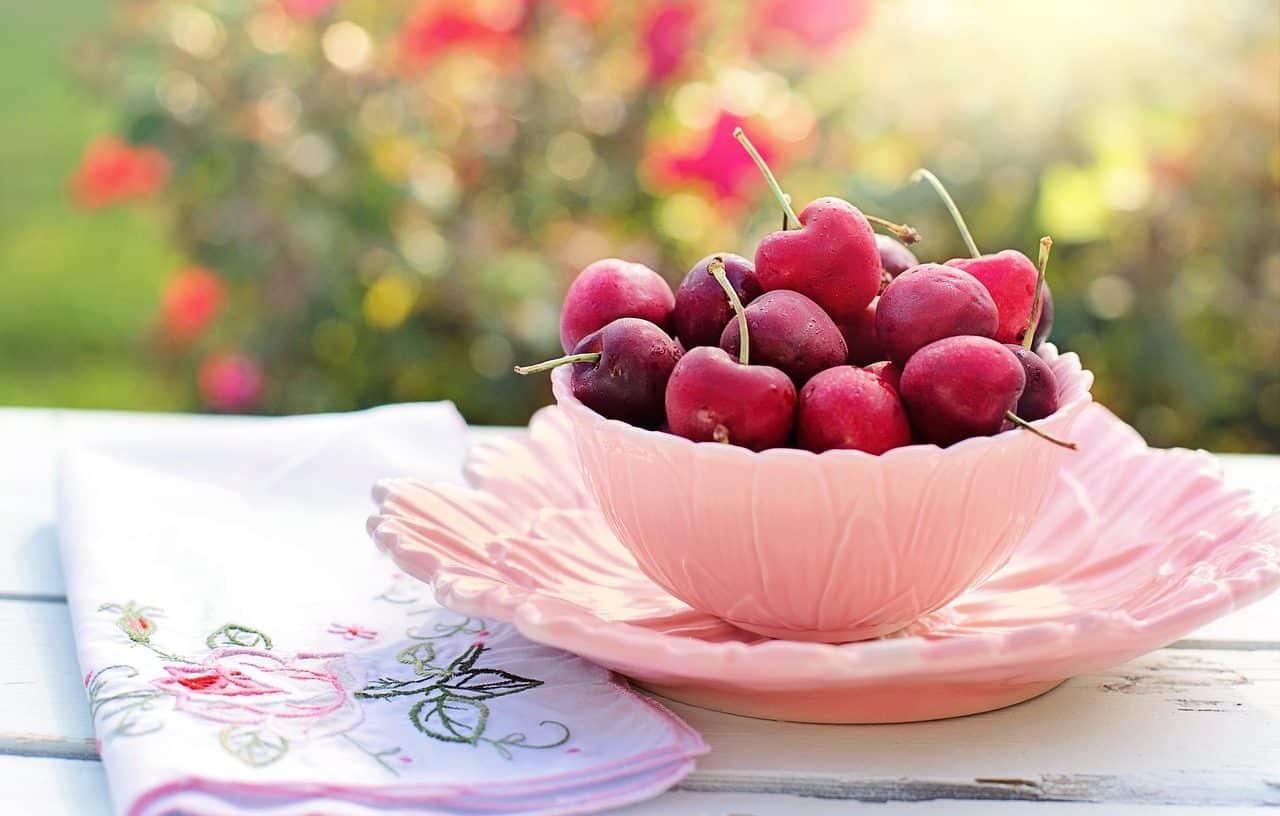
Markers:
point(1193, 728)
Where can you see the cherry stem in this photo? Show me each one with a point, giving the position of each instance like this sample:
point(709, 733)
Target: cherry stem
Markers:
point(537, 368)
point(1029, 336)
point(950, 203)
point(774, 186)
point(786, 222)
point(1022, 423)
point(903, 232)
point(716, 270)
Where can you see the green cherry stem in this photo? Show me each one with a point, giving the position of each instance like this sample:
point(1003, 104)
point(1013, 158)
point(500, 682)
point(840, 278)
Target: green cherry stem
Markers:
point(1029, 336)
point(950, 203)
point(537, 368)
point(1022, 423)
point(783, 199)
point(716, 270)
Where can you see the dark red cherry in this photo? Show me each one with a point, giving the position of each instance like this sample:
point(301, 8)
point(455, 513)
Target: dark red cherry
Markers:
point(959, 387)
point(609, 289)
point(860, 336)
point(712, 397)
point(850, 408)
point(621, 370)
point(894, 258)
point(702, 311)
point(1045, 324)
point(928, 303)
point(791, 332)
point(1040, 395)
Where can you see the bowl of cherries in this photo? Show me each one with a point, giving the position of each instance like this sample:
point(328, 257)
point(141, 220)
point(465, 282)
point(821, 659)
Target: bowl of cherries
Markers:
point(826, 442)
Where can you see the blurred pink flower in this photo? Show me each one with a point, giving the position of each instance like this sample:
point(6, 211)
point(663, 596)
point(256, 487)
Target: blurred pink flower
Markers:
point(668, 39)
point(191, 301)
point(808, 25)
point(307, 9)
point(431, 31)
point(588, 11)
point(112, 171)
point(230, 381)
point(716, 161)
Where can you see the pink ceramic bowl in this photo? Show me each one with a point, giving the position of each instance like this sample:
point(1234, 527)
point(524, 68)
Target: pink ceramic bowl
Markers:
point(829, 547)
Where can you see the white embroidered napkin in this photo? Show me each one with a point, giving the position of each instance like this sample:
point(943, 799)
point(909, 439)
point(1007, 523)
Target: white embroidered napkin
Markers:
point(246, 649)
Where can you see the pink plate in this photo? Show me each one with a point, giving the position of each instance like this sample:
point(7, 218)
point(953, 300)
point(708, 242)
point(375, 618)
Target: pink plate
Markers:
point(1134, 548)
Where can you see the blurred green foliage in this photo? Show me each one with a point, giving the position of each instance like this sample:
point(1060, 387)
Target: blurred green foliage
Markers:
point(395, 194)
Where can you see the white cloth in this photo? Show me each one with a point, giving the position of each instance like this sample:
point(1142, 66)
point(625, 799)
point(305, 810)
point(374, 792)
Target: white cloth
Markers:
point(247, 650)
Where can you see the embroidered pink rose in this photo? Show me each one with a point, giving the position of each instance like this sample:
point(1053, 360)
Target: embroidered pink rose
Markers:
point(298, 697)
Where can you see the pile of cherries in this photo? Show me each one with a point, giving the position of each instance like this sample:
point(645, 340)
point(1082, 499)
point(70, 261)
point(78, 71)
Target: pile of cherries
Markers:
point(835, 337)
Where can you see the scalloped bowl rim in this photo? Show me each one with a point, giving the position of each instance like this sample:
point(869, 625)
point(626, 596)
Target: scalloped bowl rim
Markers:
point(1076, 390)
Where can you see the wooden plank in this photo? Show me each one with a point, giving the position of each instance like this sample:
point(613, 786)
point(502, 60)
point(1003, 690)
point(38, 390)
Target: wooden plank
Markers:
point(32, 786)
point(59, 787)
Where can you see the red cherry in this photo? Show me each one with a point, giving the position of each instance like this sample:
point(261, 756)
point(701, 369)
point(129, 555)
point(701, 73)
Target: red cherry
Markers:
point(928, 303)
point(711, 397)
point(894, 257)
point(620, 371)
point(791, 332)
point(828, 254)
point(1010, 277)
point(702, 311)
point(959, 387)
point(609, 289)
point(832, 258)
point(860, 336)
point(1040, 395)
point(850, 408)
point(888, 372)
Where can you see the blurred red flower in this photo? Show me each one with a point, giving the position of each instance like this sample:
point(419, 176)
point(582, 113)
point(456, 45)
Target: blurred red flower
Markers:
point(808, 25)
point(431, 31)
point(668, 39)
point(112, 171)
point(716, 161)
point(230, 381)
point(588, 11)
point(191, 301)
point(307, 9)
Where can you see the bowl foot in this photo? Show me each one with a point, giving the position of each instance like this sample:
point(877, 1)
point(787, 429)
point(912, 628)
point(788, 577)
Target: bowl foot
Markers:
point(825, 635)
point(873, 703)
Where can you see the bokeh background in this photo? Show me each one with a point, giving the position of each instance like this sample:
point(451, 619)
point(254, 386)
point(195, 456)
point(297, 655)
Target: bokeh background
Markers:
point(309, 205)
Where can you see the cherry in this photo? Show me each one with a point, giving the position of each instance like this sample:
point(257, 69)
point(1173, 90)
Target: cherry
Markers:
point(888, 372)
point(609, 289)
point(860, 335)
point(828, 255)
point(713, 398)
point(959, 387)
point(928, 303)
point(1045, 324)
point(791, 332)
point(620, 371)
point(701, 310)
point(850, 408)
point(1008, 275)
point(1040, 395)
point(894, 258)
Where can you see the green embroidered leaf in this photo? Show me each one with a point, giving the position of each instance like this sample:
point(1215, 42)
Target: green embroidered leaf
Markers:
point(233, 634)
point(253, 746)
point(481, 684)
point(450, 719)
point(385, 687)
point(420, 656)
